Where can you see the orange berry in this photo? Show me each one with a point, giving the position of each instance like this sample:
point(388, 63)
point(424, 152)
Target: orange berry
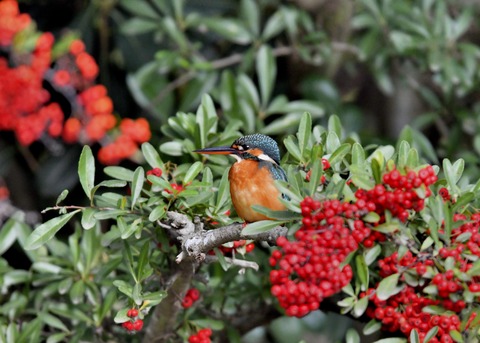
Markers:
point(76, 47)
point(71, 130)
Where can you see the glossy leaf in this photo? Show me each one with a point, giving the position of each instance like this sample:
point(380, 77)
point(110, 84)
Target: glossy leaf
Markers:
point(137, 185)
point(60, 198)
point(47, 230)
point(151, 155)
point(293, 148)
point(143, 259)
point(304, 131)
point(86, 170)
point(88, 220)
point(8, 234)
point(223, 191)
point(388, 287)
point(362, 271)
point(119, 173)
point(230, 28)
point(260, 226)
point(192, 172)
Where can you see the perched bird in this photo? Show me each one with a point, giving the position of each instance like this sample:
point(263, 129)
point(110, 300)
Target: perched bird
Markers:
point(253, 174)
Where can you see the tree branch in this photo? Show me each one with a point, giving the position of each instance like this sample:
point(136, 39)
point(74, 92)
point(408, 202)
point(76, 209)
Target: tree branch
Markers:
point(163, 320)
point(196, 241)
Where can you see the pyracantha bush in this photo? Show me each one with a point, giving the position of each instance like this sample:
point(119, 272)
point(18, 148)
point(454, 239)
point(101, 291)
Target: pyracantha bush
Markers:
point(26, 104)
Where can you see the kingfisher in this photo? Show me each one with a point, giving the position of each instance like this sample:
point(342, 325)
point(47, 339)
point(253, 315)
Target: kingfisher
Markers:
point(252, 175)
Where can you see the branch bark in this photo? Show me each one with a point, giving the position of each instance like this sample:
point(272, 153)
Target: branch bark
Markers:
point(196, 241)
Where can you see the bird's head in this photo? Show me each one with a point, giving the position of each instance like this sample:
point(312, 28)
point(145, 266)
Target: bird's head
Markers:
point(251, 147)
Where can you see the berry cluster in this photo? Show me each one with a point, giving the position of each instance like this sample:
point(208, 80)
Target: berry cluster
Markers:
point(190, 297)
point(134, 324)
point(26, 107)
point(202, 336)
point(398, 192)
point(311, 266)
point(404, 312)
point(450, 288)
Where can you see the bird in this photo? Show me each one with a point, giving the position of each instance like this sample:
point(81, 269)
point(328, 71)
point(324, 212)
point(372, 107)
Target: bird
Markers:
point(252, 175)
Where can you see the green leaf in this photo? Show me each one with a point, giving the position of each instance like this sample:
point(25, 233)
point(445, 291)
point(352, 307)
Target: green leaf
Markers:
point(213, 324)
point(143, 259)
point(107, 305)
point(335, 125)
point(391, 340)
point(386, 227)
point(8, 234)
point(414, 338)
point(388, 287)
point(339, 153)
point(333, 142)
point(452, 172)
point(360, 307)
point(230, 28)
point(192, 172)
point(250, 14)
point(276, 215)
point(260, 226)
point(372, 327)
point(151, 155)
point(362, 271)
point(371, 217)
point(358, 154)
point(47, 230)
point(29, 330)
point(172, 148)
point(274, 25)
point(430, 334)
point(304, 131)
point(372, 254)
point(119, 173)
point(57, 337)
point(86, 170)
point(137, 294)
point(53, 322)
point(77, 292)
point(137, 184)
point(88, 220)
point(157, 213)
point(136, 26)
point(352, 336)
point(223, 191)
point(123, 287)
point(154, 298)
point(267, 72)
point(315, 176)
point(61, 197)
point(457, 336)
point(293, 148)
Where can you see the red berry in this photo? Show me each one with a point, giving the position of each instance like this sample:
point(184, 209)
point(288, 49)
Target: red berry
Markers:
point(132, 313)
point(137, 325)
point(128, 325)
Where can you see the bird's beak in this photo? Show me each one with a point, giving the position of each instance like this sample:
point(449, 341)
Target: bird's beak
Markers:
point(219, 150)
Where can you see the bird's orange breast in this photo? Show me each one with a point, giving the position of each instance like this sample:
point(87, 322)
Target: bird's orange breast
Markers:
point(251, 185)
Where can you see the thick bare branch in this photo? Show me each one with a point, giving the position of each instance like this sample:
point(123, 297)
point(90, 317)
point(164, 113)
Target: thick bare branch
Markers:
point(196, 241)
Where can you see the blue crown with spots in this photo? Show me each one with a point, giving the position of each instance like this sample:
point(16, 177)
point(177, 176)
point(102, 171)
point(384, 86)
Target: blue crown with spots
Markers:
point(262, 142)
